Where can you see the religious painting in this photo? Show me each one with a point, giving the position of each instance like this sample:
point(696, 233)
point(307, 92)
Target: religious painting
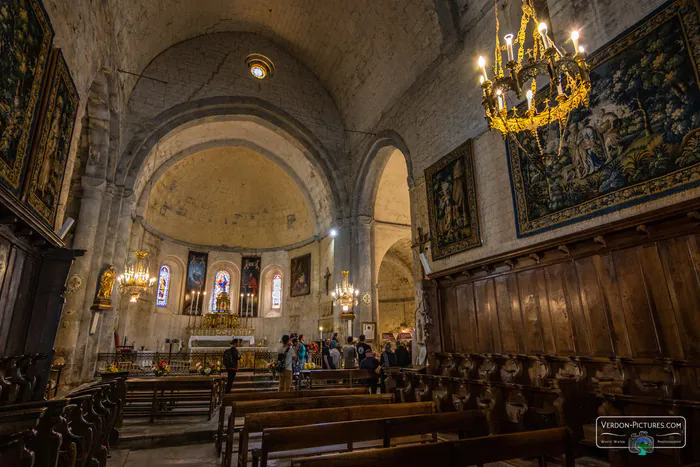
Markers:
point(301, 276)
point(25, 49)
point(250, 282)
point(452, 203)
point(53, 144)
point(639, 139)
point(195, 283)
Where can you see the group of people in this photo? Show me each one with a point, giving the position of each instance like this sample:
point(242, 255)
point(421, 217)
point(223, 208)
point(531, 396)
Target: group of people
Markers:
point(291, 359)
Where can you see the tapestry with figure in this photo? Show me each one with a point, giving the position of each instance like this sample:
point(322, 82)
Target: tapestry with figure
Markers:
point(452, 203)
point(55, 133)
point(195, 283)
point(639, 138)
point(25, 47)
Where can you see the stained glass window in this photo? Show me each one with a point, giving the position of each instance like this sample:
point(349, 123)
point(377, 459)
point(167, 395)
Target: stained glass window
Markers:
point(163, 286)
point(222, 283)
point(277, 292)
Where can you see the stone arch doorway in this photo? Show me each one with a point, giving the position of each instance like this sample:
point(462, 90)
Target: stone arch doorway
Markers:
point(395, 294)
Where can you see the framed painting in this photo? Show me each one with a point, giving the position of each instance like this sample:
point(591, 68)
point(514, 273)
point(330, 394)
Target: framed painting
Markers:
point(452, 203)
point(638, 139)
point(55, 132)
point(195, 283)
point(301, 276)
point(25, 50)
point(250, 283)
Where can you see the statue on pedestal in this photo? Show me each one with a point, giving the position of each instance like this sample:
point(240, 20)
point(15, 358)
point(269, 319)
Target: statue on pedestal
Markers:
point(103, 299)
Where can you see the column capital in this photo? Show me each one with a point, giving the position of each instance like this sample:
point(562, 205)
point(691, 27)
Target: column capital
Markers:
point(92, 185)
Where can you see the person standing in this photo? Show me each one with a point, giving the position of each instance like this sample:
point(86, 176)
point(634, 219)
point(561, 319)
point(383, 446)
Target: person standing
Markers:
point(286, 358)
point(370, 363)
point(327, 363)
point(403, 358)
point(388, 359)
point(302, 350)
point(231, 358)
point(349, 354)
point(334, 340)
point(335, 356)
point(362, 349)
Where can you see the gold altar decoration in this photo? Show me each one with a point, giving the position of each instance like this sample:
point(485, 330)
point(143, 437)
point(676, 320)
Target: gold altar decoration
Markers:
point(136, 278)
point(221, 324)
point(103, 299)
point(345, 294)
point(223, 302)
point(568, 76)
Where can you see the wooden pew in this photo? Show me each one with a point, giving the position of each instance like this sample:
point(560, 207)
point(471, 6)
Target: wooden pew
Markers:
point(255, 423)
point(347, 377)
point(230, 398)
point(166, 395)
point(468, 424)
point(241, 409)
point(473, 451)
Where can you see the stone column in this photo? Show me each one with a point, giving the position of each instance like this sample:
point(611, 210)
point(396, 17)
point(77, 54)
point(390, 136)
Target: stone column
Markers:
point(341, 262)
point(73, 311)
point(362, 273)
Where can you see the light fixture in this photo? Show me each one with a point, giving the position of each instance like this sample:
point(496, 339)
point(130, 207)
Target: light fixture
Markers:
point(333, 233)
point(568, 74)
point(345, 294)
point(260, 66)
point(136, 278)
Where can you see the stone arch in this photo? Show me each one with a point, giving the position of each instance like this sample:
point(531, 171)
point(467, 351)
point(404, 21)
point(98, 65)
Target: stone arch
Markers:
point(395, 293)
point(245, 109)
point(372, 168)
point(235, 272)
point(266, 276)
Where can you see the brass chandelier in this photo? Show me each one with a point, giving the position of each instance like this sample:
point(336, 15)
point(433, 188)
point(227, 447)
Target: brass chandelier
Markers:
point(568, 76)
point(345, 294)
point(136, 278)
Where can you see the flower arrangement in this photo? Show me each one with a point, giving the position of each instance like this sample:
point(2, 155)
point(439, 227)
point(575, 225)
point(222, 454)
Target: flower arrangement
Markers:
point(313, 348)
point(309, 366)
point(272, 368)
point(213, 369)
point(161, 369)
point(111, 368)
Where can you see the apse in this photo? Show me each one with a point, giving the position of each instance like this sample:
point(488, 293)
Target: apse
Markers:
point(229, 197)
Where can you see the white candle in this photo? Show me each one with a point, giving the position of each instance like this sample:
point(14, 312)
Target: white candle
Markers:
point(192, 302)
point(528, 94)
point(560, 90)
point(509, 44)
point(574, 39)
point(482, 65)
point(581, 50)
point(499, 99)
point(240, 308)
point(542, 29)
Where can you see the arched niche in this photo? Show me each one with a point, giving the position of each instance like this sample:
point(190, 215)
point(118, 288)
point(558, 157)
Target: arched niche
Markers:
point(177, 284)
point(235, 274)
point(266, 289)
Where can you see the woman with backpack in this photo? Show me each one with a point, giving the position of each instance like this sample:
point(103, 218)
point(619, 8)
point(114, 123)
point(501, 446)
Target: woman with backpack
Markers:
point(285, 361)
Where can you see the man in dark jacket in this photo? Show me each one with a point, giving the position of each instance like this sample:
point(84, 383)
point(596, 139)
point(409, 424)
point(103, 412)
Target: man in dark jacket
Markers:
point(362, 349)
point(403, 358)
point(370, 363)
point(231, 358)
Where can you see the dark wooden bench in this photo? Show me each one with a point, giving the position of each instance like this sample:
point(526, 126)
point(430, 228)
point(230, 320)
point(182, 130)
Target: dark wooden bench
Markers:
point(242, 409)
point(230, 398)
point(255, 423)
point(467, 424)
point(473, 451)
point(347, 377)
point(173, 396)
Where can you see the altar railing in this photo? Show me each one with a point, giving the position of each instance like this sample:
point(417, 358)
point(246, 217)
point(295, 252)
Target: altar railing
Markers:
point(181, 363)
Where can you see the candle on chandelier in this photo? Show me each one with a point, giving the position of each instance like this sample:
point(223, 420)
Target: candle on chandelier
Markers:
point(574, 39)
point(542, 29)
point(483, 91)
point(560, 90)
point(581, 50)
point(482, 65)
point(528, 94)
point(499, 99)
point(509, 45)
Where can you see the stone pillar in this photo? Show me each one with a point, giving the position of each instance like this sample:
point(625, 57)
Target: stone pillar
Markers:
point(341, 262)
point(73, 311)
point(362, 273)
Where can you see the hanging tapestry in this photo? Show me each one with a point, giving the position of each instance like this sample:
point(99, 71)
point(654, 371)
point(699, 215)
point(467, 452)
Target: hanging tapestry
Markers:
point(452, 203)
point(53, 146)
point(639, 139)
point(250, 280)
point(25, 47)
point(194, 283)
point(301, 276)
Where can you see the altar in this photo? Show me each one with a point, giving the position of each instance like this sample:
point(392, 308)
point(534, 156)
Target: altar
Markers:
point(218, 342)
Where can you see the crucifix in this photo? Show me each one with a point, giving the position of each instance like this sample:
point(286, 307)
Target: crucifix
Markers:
point(421, 240)
point(327, 276)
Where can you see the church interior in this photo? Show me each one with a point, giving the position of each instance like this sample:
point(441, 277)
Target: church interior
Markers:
point(327, 233)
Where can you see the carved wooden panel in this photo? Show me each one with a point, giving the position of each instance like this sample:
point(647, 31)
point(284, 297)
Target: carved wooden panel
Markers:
point(641, 301)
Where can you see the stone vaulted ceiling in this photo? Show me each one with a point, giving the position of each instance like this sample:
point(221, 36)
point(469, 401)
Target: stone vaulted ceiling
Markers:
point(365, 52)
